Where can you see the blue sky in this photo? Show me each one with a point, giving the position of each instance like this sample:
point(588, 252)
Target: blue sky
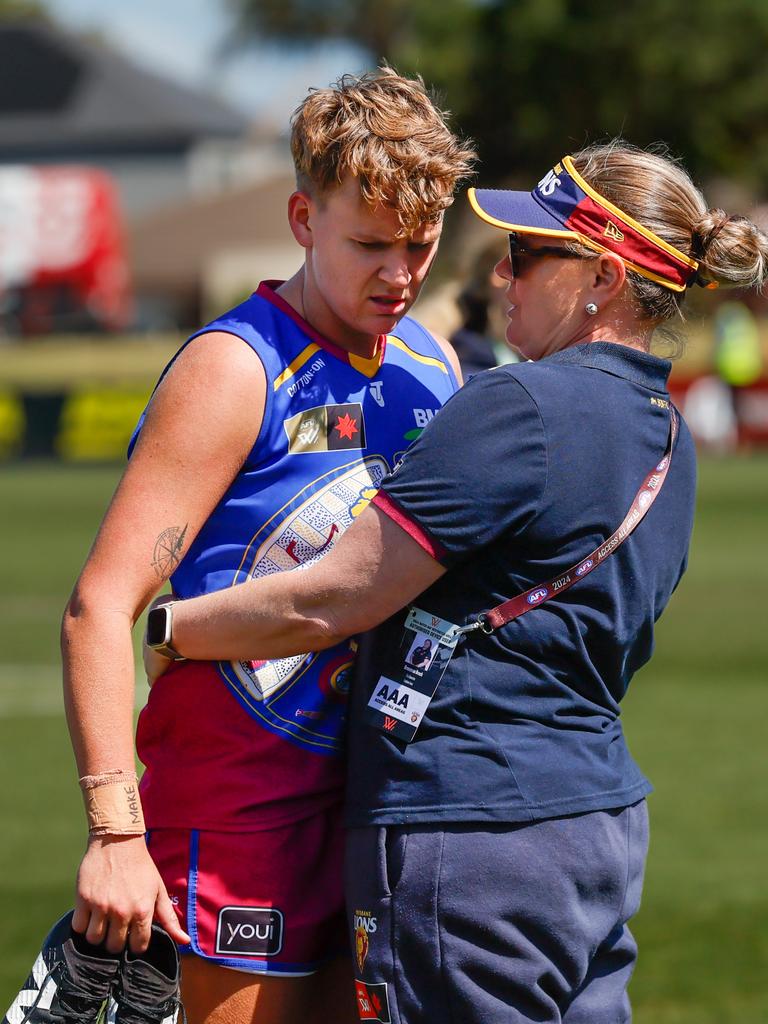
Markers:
point(180, 38)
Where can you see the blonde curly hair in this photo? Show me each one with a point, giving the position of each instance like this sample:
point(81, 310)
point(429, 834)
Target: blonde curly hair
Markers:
point(386, 131)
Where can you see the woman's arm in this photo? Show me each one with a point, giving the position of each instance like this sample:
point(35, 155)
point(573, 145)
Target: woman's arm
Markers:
point(193, 442)
point(373, 570)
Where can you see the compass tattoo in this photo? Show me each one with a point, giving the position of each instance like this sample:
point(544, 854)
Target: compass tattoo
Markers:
point(167, 553)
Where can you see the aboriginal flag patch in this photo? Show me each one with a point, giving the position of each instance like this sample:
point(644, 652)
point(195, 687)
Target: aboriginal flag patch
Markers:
point(326, 428)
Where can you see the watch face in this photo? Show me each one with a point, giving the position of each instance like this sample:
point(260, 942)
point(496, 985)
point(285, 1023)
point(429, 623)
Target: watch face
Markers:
point(156, 626)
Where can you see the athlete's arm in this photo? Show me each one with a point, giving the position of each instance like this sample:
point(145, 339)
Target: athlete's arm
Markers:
point(199, 428)
point(374, 569)
point(450, 354)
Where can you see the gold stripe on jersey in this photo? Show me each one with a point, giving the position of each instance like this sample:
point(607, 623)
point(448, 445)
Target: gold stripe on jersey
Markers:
point(426, 360)
point(293, 368)
point(370, 366)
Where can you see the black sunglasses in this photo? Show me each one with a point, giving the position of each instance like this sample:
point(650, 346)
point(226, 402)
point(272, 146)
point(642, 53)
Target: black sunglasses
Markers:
point(518, 252)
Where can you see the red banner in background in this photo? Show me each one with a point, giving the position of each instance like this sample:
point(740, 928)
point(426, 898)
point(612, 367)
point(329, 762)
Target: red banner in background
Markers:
point(722, 416)
point(62, 258)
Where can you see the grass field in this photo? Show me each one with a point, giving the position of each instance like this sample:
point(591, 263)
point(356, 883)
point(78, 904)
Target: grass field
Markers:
point(696, 719)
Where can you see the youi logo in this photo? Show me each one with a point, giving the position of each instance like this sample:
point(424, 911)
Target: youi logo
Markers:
point(548, 183)
point(538, 595)
point(585, 567)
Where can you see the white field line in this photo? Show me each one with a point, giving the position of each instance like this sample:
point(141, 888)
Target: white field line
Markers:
point(35, 690)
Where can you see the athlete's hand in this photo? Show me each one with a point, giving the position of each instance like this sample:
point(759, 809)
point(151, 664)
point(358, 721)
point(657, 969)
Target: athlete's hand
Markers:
point(155, 664)
point(119, 893)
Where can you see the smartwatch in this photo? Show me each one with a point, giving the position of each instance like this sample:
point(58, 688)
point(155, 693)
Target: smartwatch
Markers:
point(159, 631)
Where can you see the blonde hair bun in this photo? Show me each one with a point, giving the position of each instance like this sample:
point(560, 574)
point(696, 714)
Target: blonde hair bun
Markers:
point(731, 250)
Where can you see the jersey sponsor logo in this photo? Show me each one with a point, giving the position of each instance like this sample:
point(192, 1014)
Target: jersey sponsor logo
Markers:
point(249, 931)
point(306, 376)
point(613, 232)
point(377, 392)
point(372, 1001)
point(537, 595)
point(422, 417)
point(326, 428)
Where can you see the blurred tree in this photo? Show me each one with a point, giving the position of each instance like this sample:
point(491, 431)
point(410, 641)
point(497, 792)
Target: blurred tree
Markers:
point(533, 79)
point(10, 9)
point(378, 26)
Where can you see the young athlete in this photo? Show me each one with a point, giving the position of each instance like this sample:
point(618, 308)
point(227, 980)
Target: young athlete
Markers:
point(266, 437)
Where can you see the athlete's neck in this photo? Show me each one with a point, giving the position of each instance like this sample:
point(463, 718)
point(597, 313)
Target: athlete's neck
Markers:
point(296, 293)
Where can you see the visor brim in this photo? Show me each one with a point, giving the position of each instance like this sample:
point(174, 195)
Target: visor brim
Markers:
point(516, 211)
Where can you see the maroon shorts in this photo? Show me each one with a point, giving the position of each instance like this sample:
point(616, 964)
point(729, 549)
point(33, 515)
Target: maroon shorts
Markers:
point(270, 902)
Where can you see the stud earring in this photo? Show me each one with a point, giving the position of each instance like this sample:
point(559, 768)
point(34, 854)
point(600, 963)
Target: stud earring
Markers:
point(591, 308)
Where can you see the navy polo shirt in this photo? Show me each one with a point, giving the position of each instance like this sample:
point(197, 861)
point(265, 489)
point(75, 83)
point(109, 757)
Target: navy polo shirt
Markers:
point(524, 472)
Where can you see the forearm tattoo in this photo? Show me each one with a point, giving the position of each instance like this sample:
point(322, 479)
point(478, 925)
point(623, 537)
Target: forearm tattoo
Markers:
point(167, 553)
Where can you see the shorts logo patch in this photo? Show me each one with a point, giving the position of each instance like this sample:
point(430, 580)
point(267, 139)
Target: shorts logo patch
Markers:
point(249, 931)
point(361, 947)
point(372, 1001)
point(365, 924)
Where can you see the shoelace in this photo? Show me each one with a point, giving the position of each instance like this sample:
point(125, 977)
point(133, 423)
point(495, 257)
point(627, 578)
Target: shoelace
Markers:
point(156, 1013)
point(70, 1003)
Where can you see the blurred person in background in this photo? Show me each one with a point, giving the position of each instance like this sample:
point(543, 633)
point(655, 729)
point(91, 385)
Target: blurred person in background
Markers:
point(475, 341)
point(738, 353)
point(497, 821)
point(266, 436)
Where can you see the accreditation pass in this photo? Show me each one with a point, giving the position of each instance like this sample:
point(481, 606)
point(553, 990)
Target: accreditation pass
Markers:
point(402, 695)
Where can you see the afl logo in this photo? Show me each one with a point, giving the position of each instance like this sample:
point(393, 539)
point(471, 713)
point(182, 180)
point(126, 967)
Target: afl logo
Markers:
point(584, 567)
point(663, 464)
point(538, 595)
point(645, 499)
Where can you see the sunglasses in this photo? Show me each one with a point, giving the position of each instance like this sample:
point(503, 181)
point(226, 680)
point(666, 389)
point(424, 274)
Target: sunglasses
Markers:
point(518, 252)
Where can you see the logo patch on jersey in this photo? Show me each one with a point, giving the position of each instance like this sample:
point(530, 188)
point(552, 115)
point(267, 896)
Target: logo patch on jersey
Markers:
point(249, 931)
point(422, 417)
point(326, 428)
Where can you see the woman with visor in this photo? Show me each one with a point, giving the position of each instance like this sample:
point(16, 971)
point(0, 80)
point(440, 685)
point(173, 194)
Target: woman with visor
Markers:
point(497, 822)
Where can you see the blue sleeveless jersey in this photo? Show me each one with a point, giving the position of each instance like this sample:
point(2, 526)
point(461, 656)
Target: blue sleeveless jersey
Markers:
point(334, 425)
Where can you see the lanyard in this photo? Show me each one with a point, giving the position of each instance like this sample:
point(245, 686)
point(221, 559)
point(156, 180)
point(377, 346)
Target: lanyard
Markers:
point(542, 592)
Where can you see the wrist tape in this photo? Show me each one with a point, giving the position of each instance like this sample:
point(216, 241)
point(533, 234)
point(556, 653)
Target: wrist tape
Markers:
point(112, 804)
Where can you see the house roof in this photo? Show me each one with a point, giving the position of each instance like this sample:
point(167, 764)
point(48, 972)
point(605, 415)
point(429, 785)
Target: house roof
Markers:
point(66, 96)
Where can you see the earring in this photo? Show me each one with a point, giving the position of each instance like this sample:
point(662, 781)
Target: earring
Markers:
point(591, 308)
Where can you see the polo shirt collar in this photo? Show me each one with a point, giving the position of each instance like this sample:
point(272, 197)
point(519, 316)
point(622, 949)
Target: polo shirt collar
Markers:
point(630, 363)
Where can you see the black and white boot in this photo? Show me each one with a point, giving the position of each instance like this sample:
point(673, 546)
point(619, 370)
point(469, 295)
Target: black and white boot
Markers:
point(69, 982)
point(147, 990)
